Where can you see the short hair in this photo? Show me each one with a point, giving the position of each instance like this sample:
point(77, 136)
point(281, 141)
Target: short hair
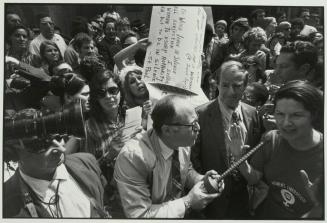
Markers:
point(164, 112)
point(255, 13)
point(254, 34)
point(80, 39)
point(43, 47)
point(260, 92)
point(127, 35)
point(90, 65)
point(304, 93)
point(123, 22)
point(229, 65)
point(297, 22)
point(303, 52)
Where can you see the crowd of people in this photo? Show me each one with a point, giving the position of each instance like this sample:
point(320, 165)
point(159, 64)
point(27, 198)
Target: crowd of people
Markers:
point(263, 76)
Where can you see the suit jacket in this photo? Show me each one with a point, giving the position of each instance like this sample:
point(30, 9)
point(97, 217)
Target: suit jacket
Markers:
point(209, 152)
point(81, 166)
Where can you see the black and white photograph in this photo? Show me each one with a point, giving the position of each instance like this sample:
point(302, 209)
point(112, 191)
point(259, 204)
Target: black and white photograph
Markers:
point(168, 110)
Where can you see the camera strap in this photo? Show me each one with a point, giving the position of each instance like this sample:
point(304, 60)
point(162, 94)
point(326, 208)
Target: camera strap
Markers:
point(28, 201)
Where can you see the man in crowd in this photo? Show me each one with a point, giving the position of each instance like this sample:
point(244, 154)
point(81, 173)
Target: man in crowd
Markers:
point(257, 18)
point(47, 33)
point(211, 150)
point(48, 183)
point(110, 45)
point(152, 171)
point(231, 48)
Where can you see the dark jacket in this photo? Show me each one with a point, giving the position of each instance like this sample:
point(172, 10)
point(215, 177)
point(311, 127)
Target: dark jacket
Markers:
point(209, 152)
point(82, 167)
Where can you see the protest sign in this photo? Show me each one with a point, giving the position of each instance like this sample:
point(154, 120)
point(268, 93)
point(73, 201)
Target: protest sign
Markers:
point(174, 56)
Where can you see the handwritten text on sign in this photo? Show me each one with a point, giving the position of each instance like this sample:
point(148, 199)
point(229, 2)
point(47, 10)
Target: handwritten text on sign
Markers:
point(174, 57)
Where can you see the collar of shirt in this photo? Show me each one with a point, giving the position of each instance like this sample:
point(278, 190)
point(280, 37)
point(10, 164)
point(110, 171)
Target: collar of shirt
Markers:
point(39, 186)
point(227, 112)
point(165, 150)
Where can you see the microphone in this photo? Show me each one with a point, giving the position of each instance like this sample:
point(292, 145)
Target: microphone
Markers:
point(211, 184)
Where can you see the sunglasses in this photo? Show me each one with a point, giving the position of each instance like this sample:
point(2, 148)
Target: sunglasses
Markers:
point(101, 93)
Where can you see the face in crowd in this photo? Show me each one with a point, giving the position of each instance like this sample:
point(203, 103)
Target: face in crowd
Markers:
point(42, 163)
point(13, 19)
point(292, 119)
point(237, 33)
point(19, 39)
point(136, 84)
point(47, 27)
point(232, 84)
point(87, 49)
point(109, 96)
point(110, 30)
point(51, 53)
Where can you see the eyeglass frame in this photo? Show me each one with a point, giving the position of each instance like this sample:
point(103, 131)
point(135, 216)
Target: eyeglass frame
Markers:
point(192, 124)
point(106, 91)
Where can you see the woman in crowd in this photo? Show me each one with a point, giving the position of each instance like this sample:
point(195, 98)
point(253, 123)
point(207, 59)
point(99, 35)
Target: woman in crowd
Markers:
point(50, 53)
point(18, 47)
point(253, 39)
point(294, 150)
point(136, 92)
point(270, 26)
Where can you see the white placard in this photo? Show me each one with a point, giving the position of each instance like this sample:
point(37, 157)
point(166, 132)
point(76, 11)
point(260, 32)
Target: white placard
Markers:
point(174, 56)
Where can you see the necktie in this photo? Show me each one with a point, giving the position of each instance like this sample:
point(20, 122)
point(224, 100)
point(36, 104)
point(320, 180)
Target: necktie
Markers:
point(176, 191)
point(235, 173)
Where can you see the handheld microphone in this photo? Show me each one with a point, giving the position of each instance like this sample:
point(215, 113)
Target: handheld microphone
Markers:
point(211, 184)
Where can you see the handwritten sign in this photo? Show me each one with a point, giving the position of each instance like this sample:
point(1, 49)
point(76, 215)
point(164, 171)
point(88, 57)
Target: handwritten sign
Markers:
point(174, 57)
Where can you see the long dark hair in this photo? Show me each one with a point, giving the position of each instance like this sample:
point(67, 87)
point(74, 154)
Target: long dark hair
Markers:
point(103, 76)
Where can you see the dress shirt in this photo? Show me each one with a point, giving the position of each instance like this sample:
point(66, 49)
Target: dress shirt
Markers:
point(73, 203)
point(36, 43)
point(142, 174)
point(227, 119)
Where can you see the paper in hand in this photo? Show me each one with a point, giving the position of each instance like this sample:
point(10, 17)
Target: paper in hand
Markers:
point(133, 121)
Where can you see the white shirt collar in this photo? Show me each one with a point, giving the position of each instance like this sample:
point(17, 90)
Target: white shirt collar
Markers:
point(227, 112)
point(40, 186)
point(165, 150)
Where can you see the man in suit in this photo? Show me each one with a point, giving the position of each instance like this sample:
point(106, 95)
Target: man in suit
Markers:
point(48, 184)
point(211, 150)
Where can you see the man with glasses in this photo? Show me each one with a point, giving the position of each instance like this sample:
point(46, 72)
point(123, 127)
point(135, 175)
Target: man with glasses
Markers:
point(47, 33)
point(212, 151)
point(48, 183)
point(153, 170)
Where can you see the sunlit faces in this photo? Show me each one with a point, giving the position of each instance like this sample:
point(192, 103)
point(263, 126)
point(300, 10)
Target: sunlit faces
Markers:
point(39, 164)
point(286, 69)
point(109, 96)
point(231, 86)
point(51, 53)
point(19, 38)
point(87, 49)
point(47, 27)
point(292, 119)
point(136, 84)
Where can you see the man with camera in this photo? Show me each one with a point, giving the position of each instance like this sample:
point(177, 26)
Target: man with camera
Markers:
point(48, 183)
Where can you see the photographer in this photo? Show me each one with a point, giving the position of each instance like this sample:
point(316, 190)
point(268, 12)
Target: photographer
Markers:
point(48, 183)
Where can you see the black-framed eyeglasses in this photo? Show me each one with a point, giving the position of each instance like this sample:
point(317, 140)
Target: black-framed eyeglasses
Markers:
point(38, 146)
point(101, 93)
point(194, 125)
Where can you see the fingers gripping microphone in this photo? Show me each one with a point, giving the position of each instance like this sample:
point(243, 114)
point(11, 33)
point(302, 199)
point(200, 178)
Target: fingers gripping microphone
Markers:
point(212, 185)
